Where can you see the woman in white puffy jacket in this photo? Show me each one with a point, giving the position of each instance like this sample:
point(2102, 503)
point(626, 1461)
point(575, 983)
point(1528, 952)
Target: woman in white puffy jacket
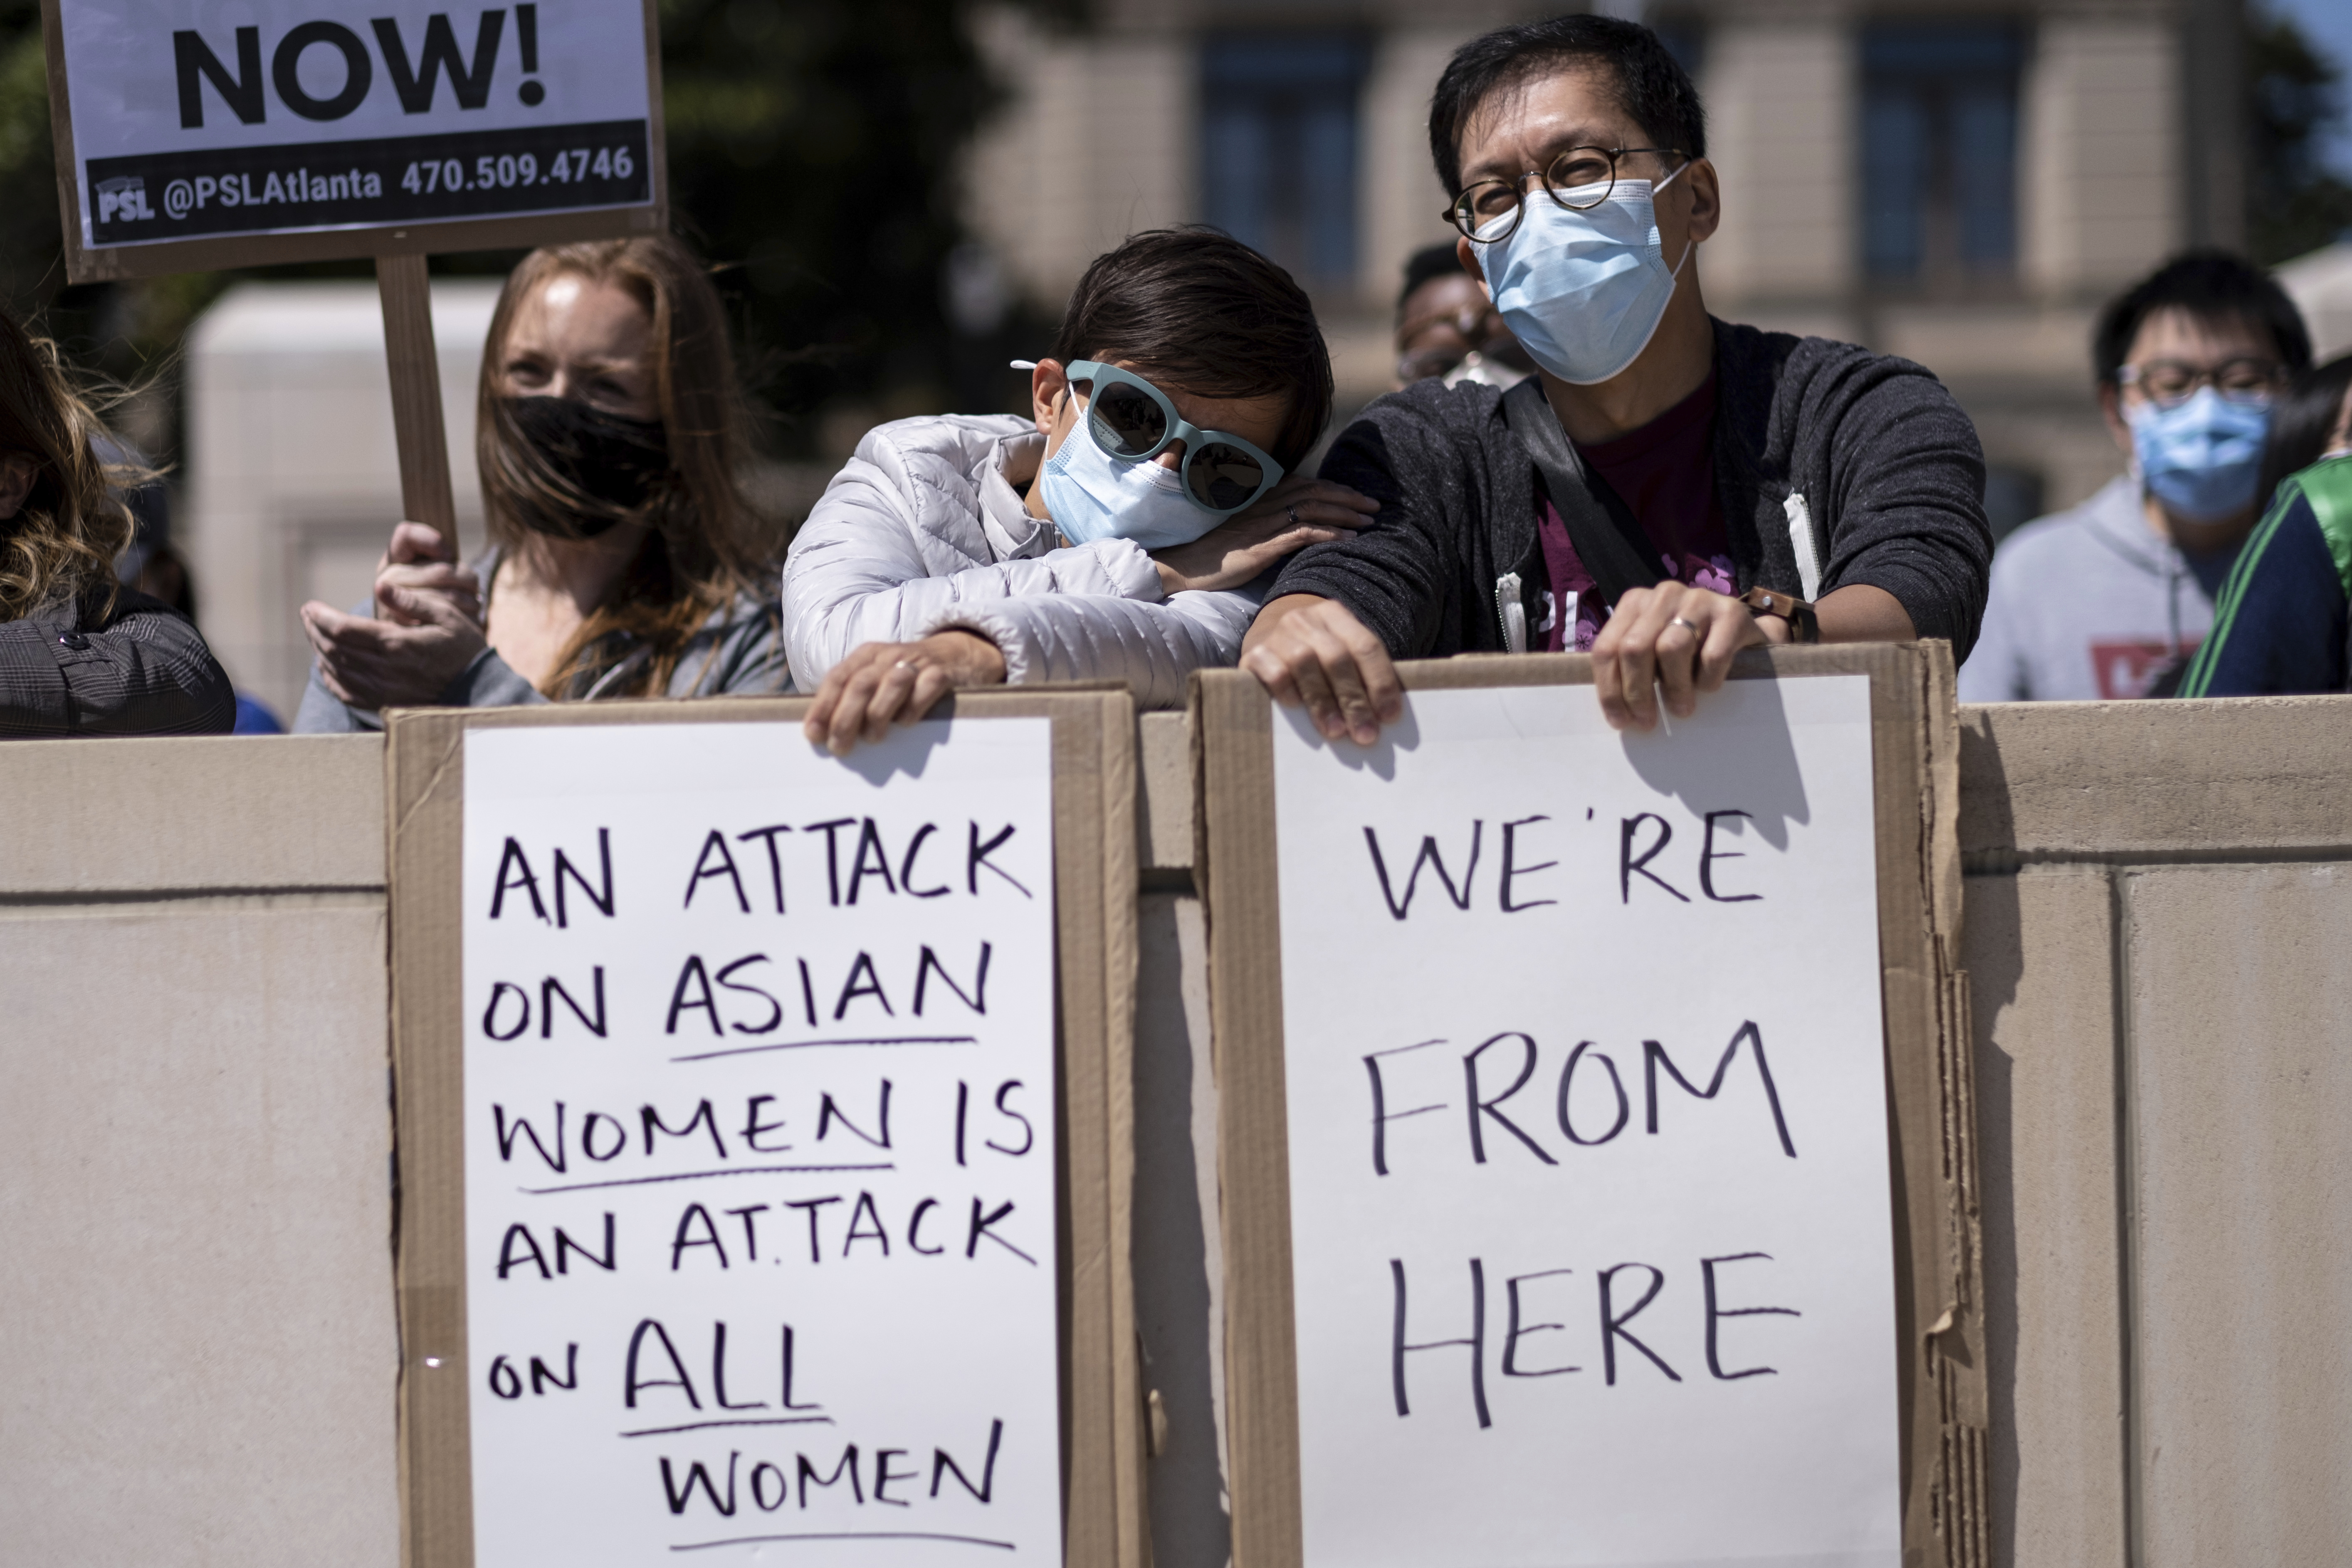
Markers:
point(1120, 533)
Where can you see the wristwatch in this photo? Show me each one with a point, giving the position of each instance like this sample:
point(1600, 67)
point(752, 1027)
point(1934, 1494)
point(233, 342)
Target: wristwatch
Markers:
point(1803, 625)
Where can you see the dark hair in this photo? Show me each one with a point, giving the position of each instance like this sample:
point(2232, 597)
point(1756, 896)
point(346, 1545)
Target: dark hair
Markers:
point(699, 554)
point(2212, 284)
point(1428, 265)
point(2301, 423)
point(1651, 86)
point(1210, 315)
point(63, 539)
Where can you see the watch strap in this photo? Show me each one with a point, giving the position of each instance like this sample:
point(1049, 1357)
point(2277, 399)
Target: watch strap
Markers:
point(1805, 626)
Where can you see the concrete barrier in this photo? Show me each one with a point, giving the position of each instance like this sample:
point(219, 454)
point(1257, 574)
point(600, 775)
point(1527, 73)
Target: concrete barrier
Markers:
point(2159, 940)
point(197, 1350)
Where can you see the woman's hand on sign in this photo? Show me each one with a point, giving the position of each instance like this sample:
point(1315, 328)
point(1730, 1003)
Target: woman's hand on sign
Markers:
point(886, 683)
point(1296, 513)
point(1315, 651)
point(1649, 641)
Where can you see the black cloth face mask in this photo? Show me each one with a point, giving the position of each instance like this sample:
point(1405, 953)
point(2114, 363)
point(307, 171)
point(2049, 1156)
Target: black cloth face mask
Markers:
point(615, 465)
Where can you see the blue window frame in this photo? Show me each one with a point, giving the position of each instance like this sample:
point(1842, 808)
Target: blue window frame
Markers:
point(1939, 152)
point(1278, 147)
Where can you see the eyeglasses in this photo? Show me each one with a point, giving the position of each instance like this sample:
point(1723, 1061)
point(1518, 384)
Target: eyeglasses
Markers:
point(2169, 382)
point(1134, 422)
point(1579, 179)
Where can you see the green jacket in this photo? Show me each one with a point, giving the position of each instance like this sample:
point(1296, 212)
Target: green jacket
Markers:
point(2283, 622)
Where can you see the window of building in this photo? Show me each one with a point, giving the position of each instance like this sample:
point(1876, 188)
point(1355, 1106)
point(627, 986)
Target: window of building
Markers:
point(1278, 147)
point(1939, 153)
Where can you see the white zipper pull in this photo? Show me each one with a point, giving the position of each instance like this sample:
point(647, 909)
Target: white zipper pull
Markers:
point(1800, 542)
point(1512, 613)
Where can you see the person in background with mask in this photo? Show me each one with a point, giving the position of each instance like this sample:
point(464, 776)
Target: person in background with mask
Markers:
point(610, 436)
point(1446, 327)
point(1669, 489)
point(2283, 622)
point(2109, 599)
point(1118, 532)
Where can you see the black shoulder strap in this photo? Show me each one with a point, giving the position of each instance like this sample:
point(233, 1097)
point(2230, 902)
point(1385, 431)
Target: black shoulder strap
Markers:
point(1607, 540)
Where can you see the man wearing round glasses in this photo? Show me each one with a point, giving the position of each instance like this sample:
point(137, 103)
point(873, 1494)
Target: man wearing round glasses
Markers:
point(2111, 598)
point(1670, 488)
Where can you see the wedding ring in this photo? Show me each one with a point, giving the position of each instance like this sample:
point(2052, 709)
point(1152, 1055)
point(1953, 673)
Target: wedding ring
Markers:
point(1687, 621)
point(1294, 516)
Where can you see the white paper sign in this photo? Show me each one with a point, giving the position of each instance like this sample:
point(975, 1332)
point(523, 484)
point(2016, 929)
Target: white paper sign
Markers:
point(1588, 1143)
point(759, 1189)
point(198, 117)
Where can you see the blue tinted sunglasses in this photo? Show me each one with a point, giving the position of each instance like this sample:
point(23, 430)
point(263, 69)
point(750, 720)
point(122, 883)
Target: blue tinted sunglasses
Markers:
point(1134, 422)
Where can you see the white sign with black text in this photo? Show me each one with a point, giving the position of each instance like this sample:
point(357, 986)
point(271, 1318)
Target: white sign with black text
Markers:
point(1590, 1213)
point(760, 1147)
point(196, 118)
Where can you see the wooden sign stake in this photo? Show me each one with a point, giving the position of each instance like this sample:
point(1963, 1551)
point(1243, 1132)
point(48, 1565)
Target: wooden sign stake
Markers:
point(424, 492)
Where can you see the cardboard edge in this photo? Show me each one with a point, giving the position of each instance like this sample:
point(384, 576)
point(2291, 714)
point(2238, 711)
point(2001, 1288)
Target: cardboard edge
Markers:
point(657, 119)
point(1932, 1136)
point(1103, 1441)
point(1240, 900)
point(424, 800)
point(1955, 1342)
point(1121, 873)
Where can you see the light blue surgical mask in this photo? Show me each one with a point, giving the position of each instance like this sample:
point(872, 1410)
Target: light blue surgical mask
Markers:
point(1093, 497)
point(2201, 457)
point(1584, 291)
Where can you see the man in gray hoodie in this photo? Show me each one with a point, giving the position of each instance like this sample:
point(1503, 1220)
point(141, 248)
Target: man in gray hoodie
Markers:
point(2109, 599)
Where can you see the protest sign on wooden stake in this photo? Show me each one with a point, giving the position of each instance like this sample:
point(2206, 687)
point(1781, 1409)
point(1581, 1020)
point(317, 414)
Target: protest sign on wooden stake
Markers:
point(758, 1176)
point(1595, 1123)
point(196, 136)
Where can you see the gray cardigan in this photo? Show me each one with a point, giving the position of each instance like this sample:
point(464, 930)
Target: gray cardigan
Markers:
point(738, 652)
point(1888, 467)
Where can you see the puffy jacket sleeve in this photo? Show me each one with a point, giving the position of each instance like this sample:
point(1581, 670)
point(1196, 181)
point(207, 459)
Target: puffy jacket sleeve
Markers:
point(139, 668)
point(860, 572)
point(1152, 647)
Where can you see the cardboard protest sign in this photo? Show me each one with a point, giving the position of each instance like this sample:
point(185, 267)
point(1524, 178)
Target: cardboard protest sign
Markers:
point(1567, 1221)
point(193, 136)
point(757, 1174)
